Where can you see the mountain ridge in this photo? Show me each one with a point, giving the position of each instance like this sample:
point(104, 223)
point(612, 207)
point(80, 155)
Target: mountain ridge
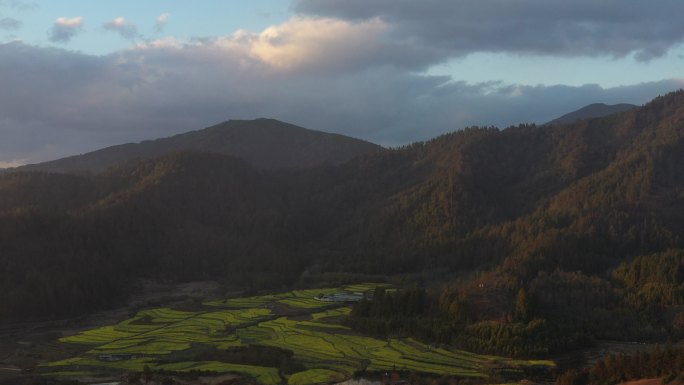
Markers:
point(594, 110)
point(264, 143)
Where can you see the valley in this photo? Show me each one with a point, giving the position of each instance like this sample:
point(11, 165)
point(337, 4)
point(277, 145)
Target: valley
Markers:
point(514, 245)
point(290, 337)
point(341, 192)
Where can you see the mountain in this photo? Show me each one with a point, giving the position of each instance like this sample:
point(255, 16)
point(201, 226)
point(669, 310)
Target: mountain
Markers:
point(264, 143)
point(564, 212)
point(596, 110)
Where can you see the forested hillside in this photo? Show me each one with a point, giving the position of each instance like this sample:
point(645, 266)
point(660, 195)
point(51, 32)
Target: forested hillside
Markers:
point(596, 110)
point(585, 220)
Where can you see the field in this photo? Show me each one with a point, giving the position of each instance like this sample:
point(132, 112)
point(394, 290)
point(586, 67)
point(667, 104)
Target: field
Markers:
point(226, 336)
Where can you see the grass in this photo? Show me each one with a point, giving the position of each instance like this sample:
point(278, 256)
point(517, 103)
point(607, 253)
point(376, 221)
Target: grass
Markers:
point(301, 299)
point(72, 374)
point(92, 363)
point(264, 375)
point(328, 350)
point(97, 336)
point(315, 376)
point(365, 287)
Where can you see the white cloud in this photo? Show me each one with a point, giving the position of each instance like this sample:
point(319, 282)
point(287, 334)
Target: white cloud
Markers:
point(323, 43)
point(122, 26)
point(75, 22)
point(65, 29)
point(162, 20)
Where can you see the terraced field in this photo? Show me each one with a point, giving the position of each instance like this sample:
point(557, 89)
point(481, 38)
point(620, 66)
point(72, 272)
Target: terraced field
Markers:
point(325, 350)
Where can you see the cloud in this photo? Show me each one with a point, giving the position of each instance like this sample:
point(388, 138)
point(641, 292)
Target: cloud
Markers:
point(353, 67)
point(162, 20)
point(615, 28)
point(12, 163)
point(63, 30)
point(20, 5)
point(124, 27)
point(72, 103)
point(329, 45)
point(320, 43)
point(10, 24)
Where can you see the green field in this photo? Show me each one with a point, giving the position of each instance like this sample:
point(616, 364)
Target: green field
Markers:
point(325, 350)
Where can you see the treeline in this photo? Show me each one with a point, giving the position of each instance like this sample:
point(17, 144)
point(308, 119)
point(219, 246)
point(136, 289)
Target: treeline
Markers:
point(654, 280)
point(536, 338)
point(553, 313)
point(444, 319)
point(559, 311)
point(407, 312)
point(666, 363)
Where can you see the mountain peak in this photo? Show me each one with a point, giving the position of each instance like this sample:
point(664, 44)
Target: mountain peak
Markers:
point(263, 143)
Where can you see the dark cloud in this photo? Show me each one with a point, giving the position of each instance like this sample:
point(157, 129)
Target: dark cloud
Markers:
point(10, 24)
point(123, 27)
point(64, 29)
point(551, 27)
point(66, 103)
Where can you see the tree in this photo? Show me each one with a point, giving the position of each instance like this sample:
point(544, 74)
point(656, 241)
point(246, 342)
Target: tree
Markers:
point(522, 306)
point(147, 374)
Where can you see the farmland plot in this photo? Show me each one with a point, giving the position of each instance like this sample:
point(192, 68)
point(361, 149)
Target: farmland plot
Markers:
point(292, 326)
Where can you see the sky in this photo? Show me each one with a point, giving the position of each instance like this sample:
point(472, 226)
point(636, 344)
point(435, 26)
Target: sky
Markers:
point(78, 75)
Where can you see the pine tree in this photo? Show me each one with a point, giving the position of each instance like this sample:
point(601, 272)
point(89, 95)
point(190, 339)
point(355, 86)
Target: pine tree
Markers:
point(522, 306)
